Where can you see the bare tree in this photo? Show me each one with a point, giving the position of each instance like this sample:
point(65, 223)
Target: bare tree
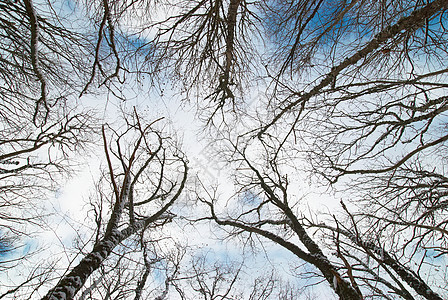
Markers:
point(222, 46)
point(140, 165)
point(266, 205)
point(43, 59)
point(367, 50)
point(41, 66)
point(203, 46)
point(43, 62)
point(265, 210)
point(372, 127)
point(357, 88)
point(142, 267)
point(371, 123)
point(366, 251)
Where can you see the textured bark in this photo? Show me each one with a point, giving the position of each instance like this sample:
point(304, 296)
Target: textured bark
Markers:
point(70, 284)
point(34, 28)
point(231, 25)
point(73, 281)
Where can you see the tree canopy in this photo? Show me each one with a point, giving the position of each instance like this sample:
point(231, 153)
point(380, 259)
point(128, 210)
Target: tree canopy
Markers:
point(322, 124)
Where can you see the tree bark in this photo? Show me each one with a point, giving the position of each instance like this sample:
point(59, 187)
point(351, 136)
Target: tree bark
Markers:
point(68, 287)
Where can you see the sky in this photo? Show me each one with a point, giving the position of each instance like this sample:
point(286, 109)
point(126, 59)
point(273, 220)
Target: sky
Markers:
point(71, 223)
